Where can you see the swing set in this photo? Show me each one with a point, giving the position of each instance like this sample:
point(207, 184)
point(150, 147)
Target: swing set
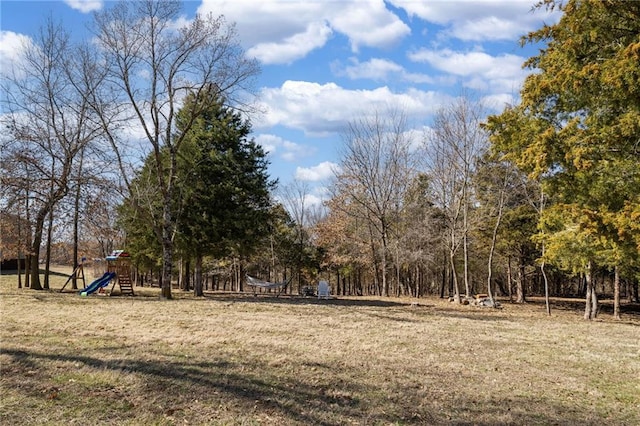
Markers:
point(78, 273)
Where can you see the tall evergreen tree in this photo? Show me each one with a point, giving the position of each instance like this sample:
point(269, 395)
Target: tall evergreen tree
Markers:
point(223, 184)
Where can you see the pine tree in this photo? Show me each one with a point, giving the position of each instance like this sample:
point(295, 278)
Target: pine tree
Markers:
point(223, 184)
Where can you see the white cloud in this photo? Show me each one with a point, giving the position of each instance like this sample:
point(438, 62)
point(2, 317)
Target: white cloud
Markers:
point(291, 29)
point(11, 47)
point(478, 20)
point(311, 200)
point(417, 78)
point(374, 69)
point(468, 63)
point(489, 28)
point(371, 23)
point(287, 150)
point(378, 69)
point(321, 109)
point(292, 48)
point(484, 72)
point(368, 23)
point(85, 6)
point(267, 20)
point(317, 173)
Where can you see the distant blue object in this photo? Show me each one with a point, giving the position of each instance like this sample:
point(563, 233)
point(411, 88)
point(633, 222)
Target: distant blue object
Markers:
point(99, 283)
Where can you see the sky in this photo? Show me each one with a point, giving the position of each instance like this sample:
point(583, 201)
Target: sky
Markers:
point(325, 63)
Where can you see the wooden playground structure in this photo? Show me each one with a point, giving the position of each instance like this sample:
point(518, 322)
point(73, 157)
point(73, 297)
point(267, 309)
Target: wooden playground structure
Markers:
point(119, 262)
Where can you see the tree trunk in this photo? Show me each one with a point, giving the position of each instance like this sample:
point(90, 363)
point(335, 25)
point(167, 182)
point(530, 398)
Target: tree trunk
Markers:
point(490, 268)
point(34, 267)
point(20, 269)
point(185, 275)
point(443, 285)
point(546, 287)
point(616, 293)
point(27, 264)
point(167, 250)
point(465, 249)
point(385, 283)
point(591, 299)
point(520, 296)
point(24, 244)
point(197, 279)
point(76, 220)
point(494, 238)
point(34, 272)
point(546, 283)
point(510, 279)
point(27, 271)
point(633, 292)
point(454, 275)
point(47, 257)
point(399, 287)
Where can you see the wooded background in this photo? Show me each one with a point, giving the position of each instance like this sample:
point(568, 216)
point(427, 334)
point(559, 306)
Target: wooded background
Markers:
point(542, 199)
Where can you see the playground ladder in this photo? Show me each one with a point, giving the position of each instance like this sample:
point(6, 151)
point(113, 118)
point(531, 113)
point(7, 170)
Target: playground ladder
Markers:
point(124, 281)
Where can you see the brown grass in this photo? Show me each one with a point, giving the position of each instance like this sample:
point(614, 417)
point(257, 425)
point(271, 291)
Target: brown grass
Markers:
point(243, 360)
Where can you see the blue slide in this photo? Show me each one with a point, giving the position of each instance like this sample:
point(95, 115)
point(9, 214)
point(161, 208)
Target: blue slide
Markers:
point(100, 282)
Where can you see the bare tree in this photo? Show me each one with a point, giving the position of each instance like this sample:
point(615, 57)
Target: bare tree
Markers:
point(420, 237)
point(14, 218)
point(444, 179)
point(496, 185)
point(340, 234)
point(375, 171)
point(152, 65)
point(49, 121)
point(294, 197)
point(453, 145)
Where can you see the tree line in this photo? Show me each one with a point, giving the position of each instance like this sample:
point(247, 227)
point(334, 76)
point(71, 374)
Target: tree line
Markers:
point(141, 140)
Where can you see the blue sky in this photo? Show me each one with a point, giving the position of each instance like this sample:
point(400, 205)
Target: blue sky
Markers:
point(326, 62)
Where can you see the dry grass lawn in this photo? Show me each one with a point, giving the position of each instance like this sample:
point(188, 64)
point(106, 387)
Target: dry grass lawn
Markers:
point(229, 359)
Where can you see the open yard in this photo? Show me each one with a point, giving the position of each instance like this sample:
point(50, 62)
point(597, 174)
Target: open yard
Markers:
point(242, 360)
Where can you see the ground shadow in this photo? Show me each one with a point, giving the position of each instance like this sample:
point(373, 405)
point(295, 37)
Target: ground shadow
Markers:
point(329, 402)
point(297, 401)
point(301, 300)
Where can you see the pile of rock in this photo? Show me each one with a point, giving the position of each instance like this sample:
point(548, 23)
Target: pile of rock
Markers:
point(482, 300)
point(487, 302)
